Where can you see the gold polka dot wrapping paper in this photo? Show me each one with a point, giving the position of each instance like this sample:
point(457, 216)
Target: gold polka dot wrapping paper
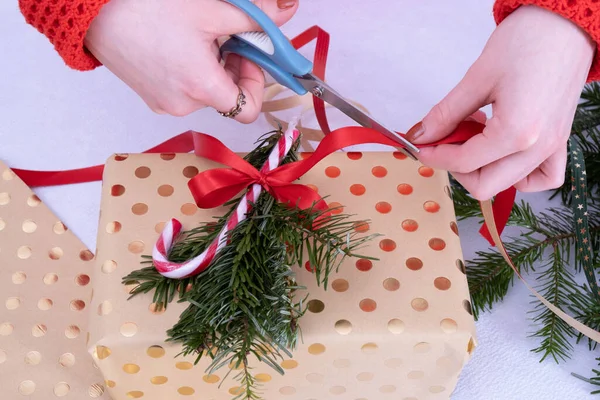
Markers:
point(45, 296)
point(396, 328)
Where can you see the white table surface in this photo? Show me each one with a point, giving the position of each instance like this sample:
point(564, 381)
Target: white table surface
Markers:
point(398, 58)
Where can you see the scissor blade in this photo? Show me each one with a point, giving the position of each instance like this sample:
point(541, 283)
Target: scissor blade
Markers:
point(325, 92)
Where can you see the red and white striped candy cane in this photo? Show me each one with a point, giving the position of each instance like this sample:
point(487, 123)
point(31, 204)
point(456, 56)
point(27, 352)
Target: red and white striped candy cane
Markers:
point(172, 229)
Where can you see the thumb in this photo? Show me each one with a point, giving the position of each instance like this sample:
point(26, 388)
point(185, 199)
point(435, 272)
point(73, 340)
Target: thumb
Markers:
point(232, 20)
point(463, 101)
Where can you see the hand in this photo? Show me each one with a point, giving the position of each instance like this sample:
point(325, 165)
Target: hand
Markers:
point(532, 72)
point(167, 52)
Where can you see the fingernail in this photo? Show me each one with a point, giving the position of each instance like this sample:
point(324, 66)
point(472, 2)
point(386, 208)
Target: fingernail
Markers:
point(415, 132)
point(285, 4)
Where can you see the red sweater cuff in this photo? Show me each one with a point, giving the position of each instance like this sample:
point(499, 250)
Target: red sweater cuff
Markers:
point(584, 13)
point(65, 23)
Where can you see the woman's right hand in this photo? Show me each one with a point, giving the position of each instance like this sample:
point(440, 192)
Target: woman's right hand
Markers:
point(167, 52)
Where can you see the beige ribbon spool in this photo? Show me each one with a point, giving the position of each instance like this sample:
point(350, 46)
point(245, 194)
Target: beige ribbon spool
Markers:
point(270, 106)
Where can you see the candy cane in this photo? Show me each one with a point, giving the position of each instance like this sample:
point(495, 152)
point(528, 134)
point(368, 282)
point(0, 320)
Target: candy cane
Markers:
point(172, 229)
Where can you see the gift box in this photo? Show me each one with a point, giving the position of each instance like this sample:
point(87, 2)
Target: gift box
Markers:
point(398, 327)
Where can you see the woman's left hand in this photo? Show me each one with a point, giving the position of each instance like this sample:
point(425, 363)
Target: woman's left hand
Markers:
point(532, 72)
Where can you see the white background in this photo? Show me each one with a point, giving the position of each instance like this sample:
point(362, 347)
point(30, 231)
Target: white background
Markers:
point(398, 58)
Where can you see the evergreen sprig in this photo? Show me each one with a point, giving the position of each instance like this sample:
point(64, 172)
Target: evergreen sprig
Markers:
point(246, 306)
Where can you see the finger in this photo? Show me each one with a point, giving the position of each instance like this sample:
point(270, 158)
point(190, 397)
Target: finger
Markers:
point(490, 180)
point(471, 93)
point(251, 79)
point(549, 175)
point(478, 116)
point(232, 20)
point(491, 145)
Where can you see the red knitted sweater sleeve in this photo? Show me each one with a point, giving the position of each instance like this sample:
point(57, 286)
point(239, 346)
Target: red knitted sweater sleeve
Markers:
point(584, 13)
point(65, 23)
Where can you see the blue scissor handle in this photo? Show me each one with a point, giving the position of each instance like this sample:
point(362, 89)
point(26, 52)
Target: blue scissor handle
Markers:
point(284, 63)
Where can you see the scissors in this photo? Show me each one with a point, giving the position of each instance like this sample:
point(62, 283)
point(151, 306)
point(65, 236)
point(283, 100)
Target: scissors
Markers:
point(272, 51)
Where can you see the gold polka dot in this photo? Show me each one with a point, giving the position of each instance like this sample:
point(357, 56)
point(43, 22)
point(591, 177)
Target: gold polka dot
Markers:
point(135, 394)
point(365, 376)
point(419, 304)
point(131, 368)
point(33, 201)
point(391, 284)
point(393, 363)
point(110, 384)
point(136, 247)
point(289, 364)
point(55, 253)
point(416, 375)
point(61, 389)
point(155, 351)
point(86, 255)
point(4, 198)
point(367, 305)
point(156, 308)
point(315, 306)
point(59, 228)
point(437, 244)
point(139, 208)
point(186, 391)
point(33, 358)
point(105, 308)
point(167, 156)
point(117, 190)
point(263, 377)
point(128, 329)
point(211, 378)
point(77, 305)
point(387, 389)
point(2, 356)
point(12, 303)
point(72, 331)
point(448, 325)
point(341, 363)
point(102, 352)
point(315, 378)
point(442, 283)
point(6, 329)
point(165, 190)
point(158, 228)
point(337, 390)
point(236, 390)
point(343, 327)
point(369, 348)
point(316, 348)
point(24, 252)
point(142, 172)
point(45, 304)
point(287, 390)
point(2, 224)
point(27, 388)
point(29, 226)
point(190, 171)
point(436, 389)
point(39, 330)
point(50, 278)
point(340, 285)
point(67, 360)
point(184, 365)
point(159, 380)
point(467, 306)
point(332, 172)
point(471, 346)
point(189, 209)
point(422, 347)
point(8, 175)
point(19, 277)
point(109, 266)
point(396, 326)
point(426, 172)
point(96, 390)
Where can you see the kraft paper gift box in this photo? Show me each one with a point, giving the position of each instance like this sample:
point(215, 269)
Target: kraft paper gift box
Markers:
point(397, 328)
